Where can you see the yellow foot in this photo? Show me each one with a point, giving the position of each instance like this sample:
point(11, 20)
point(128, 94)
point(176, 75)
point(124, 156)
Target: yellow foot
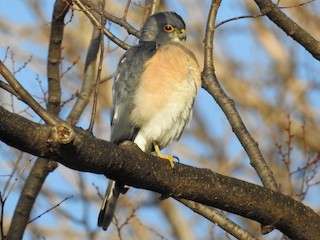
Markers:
point(165, 157)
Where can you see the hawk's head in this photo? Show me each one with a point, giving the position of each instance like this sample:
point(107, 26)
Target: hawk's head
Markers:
point(163, 27)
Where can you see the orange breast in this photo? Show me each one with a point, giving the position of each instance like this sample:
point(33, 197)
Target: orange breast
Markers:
point(167, 74)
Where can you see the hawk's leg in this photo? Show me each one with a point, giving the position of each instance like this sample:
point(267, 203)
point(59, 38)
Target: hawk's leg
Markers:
point(163, 156)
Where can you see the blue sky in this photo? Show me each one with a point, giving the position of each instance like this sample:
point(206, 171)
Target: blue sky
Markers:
point(239, 45)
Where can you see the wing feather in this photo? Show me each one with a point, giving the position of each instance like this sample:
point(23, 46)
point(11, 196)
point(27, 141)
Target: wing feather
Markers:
point(126, 82)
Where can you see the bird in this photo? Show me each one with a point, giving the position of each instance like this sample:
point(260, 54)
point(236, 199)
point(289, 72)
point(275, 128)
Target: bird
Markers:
point(154, 89)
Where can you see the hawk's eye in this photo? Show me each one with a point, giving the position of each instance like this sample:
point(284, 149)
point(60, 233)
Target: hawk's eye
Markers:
point(168, 28)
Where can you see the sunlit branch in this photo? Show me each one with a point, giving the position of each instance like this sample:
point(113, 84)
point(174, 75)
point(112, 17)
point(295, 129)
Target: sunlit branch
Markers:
point(96, 22)
point(291, 28)
point(119, 21)
point(219, 219)
point(211, 84)
point(26, 97)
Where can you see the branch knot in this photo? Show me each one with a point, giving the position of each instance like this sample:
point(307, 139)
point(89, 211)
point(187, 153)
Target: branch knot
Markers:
point(61, 133)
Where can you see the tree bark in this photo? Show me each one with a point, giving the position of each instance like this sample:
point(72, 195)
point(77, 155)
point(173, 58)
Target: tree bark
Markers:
point(127, 164)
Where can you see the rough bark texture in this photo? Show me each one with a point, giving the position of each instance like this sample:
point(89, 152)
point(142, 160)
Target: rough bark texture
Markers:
point(129, 165)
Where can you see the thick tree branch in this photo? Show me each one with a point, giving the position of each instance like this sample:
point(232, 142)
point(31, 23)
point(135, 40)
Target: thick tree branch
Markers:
point(127, 164)
point(292, 29)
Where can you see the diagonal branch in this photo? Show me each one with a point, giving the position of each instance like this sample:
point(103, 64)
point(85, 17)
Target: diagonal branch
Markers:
point(211, 84)
point(96, 22)
point(291, 28)
point(219, 219)
point(129, 165)
point(26, 97)
point(120, 21)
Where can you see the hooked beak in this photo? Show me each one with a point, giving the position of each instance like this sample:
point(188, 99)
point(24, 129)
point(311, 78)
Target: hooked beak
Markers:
point(182, 35)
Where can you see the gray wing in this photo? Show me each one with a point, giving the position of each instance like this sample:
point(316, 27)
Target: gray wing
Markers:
point(126, 81)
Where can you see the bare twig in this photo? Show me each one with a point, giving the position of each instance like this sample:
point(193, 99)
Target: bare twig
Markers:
point(96, 90)
point(70, 67)
point(237, 18)
point(28, 196)
point(219, 219)
point(296, 5)
point(50, 209)
point(23, 65)
point(125, 13)
point(16, 179)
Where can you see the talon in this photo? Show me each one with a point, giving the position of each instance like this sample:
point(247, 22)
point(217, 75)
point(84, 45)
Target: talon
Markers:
point(163, 156)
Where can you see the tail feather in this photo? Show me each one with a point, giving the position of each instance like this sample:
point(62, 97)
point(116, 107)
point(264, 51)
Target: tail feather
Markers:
point(109, 203)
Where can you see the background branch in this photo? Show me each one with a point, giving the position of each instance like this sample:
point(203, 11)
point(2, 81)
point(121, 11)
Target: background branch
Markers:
point(89, 76)
point(211, 84)
point(26, 97)
point(291, 28)
point(96, 22)
point(120, 21)
point(42, 167)
point(218, 218)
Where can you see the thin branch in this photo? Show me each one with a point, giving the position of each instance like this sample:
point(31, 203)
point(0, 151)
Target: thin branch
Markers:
point(219, 219)
point(119, 21)
point(211, 84)
point(97, 83)
point(2, 203)
point(125, 13)
point(296, 5)
point(28, 196)
point(237, 18)
point(23, 65)
point(16, 179)
point(26, 97)
point(96, 22)
point(50, 209)
point(9, 89)
point(152, 6)
point(89, 76)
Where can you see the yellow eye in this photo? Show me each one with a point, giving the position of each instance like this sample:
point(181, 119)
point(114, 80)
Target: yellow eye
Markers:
point(168, 28)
